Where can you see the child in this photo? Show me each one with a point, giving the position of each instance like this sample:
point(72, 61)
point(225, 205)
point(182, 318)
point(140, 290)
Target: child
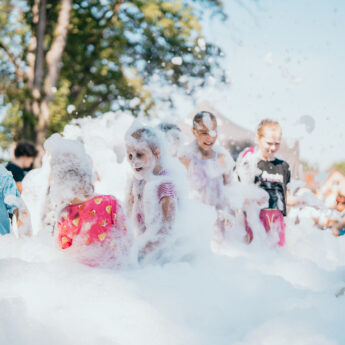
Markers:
point(335, 217)
point(174, 137)
point(259, 165)
point(209, 166)
point(94, 225)
point(8, 189)
point(25, 154)
point(152, 197)
point(339, 229)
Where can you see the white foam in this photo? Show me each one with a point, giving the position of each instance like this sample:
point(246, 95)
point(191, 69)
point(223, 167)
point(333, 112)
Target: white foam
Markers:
point(236, 294)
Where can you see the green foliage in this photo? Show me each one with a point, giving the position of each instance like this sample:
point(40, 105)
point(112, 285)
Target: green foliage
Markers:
point(58, 115)
point(339, 166)
point(307, 166)
point(114, 56)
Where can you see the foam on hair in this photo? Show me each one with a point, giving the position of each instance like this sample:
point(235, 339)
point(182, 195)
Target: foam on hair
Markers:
point(267, 123)
point(147, 135)
point(205, 117)
point(71, 173)
point(166, 127)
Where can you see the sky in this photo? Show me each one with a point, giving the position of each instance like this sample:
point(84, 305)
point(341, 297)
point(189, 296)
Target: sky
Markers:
point(285, 61)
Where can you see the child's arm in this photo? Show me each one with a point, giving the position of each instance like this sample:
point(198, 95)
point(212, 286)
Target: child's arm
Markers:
point(185, 161)
point(19, 186)
point(168, 209)
point(11, 193)
point(120, 218)
point(168, 212)
point(227, 164)
point(15, 204)
point(340, 224)
point(130, 199)
point(291, 200)
point(64, 236)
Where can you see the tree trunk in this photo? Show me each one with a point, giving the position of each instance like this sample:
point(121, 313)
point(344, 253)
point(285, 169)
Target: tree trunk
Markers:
point(53, 61)
point(35, 49)
point(36, 88)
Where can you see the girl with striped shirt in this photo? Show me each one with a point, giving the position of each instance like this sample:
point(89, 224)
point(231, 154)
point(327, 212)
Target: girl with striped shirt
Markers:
point(152, 197)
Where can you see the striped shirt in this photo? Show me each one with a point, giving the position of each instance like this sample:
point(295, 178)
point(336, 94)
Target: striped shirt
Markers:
point(166, 189)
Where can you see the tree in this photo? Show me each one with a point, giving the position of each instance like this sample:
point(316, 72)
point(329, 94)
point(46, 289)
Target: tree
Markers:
point(64, 59)
point(307, 166)
point(35, 66)
point(339, 166)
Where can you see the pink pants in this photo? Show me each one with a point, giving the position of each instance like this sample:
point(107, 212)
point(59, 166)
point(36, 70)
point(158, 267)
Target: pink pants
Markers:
point(271, 219)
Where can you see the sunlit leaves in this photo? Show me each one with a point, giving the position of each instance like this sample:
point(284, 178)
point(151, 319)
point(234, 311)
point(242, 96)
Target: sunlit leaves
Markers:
point(114, 54)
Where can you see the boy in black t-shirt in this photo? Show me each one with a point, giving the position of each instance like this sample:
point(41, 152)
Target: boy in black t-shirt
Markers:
point(260, 166)
point(25, 154)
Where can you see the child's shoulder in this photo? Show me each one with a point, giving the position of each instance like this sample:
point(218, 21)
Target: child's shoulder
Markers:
point(221, 151)
point(283, 163)
point(94, 202)
point(105, 198)
point(188, 151)
point(249, 154)
point(224, 157)
point(4, 173)
point(166, 189)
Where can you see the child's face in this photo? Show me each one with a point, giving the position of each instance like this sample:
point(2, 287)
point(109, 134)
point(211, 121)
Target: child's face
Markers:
point(205, 137)
point(340, 205)
point(27, 161)
point(141, 159)
point(269, 143)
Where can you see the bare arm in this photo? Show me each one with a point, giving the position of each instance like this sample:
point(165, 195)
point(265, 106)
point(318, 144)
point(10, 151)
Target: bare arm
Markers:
point(168, 211)
point(226, 179)
point(340, 224)
point(291, 200)
point(226, 176)
point(130, 200)
point(19, 187)
point(15, 212)
point(185, 162)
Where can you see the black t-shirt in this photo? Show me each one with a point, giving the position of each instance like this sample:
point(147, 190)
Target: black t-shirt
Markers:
point(273, 178)
point(17, 172)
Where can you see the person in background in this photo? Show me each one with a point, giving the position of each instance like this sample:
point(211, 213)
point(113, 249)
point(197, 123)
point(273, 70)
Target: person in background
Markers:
point(8, 189)
point(210, 168)
point(260, 165)
point(24, 156)
point(335, 217)
point(173, 136)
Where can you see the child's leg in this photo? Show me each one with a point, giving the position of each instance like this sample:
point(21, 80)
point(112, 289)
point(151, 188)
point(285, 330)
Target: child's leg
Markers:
point(274, 219)
point(249, 231)
point(337, 232)
point(219, 227)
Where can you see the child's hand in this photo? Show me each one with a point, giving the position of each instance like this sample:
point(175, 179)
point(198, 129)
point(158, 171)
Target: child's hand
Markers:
point(149, 247)
point(263, 201)
point(22, 217)
point(331, 222)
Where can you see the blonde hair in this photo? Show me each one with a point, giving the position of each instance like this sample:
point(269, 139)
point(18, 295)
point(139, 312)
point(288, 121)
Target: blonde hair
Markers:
point(267, 123)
